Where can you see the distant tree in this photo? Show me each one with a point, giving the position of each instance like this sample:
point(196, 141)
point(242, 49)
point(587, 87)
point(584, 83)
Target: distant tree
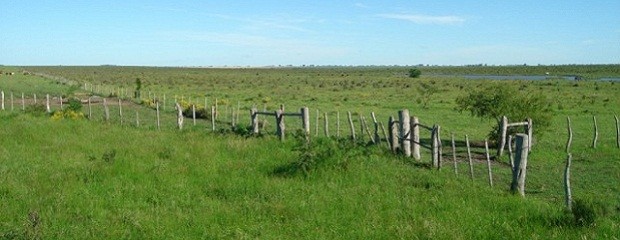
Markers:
point(414, 73)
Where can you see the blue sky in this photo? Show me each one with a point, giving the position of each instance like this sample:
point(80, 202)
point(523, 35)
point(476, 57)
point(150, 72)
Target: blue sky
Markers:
point(262, 33)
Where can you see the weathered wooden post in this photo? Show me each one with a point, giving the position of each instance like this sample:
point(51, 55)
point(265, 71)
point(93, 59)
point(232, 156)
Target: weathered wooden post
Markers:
point(376, 137)
point(595, 132)
point(35, 98)
point(567, 190)
point(351, 125)
point(47, 103)
point(486, 148)
point(456, 171)
point(237, 112)
point(280, 123)
point(2, 96)
point(435, 147)
point(471, 163)
point(23, 103)
point(215, 110)
point(137, 119)
point(326, 125)
point(305, 115)
point(158, 120)
point(11, 101)
point(361, 121)
point(179, 116)
point(510, 155)
point(530, 134)
point(90, 110)
point(213, 116)
point(254, 120)
point(415, 137)
point(570, 135)
point(194, 113)
point(393, 130)
point(405, 132)
point(120, 110)
point(232, 117)
point(385, 135)
point(520, 170)
point(106, 110)
point(503, 128)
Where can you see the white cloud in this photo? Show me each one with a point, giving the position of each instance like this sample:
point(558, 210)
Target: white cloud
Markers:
point(425, 19)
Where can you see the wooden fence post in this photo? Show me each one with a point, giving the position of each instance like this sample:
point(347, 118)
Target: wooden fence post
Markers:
point(120, 110)
point(520, 170)
point(530, 134)
point(393, 131)
point(377, 139)
point(47, 103)
point(595, 132)
point(570, 135)
point(194, 113)
point(326, 126)
point(456, 171)
point(2, 96)
point(361, 126)
point(137, 119)
point(405, 132)
point(510, 156)
point(415, 137)
point(338, 124)
point(106, 110)
point(254, 120)
point(179, 116)
point(280, 123)
point(471, 163)
point(567, 190)
point(305, 116)
point(90, 110)
point(503, 128)
point(365, 124)
point(387, 139)
point(35, 98)
point(316, 124)
point(11, 101)
point(213, 116)
point(435, 147)
point(158, 120)
point(61, 107)
point(23, 103)
point(351, 125)
point(486, 148)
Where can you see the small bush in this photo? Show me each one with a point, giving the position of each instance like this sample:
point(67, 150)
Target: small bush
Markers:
point(414, 73)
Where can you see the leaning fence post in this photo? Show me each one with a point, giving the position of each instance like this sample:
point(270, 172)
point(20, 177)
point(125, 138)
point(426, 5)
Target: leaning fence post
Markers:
point(519, 172)
point(503, 128)
point(387, 139)
point(471, 163)
point(595, 132)
point(486, 148)
point(405, 132)
point(377, 139)
point(567, 190)
point(415, 137)
point(351, 125)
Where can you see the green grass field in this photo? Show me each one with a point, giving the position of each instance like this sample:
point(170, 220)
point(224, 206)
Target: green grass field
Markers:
point(92, 179)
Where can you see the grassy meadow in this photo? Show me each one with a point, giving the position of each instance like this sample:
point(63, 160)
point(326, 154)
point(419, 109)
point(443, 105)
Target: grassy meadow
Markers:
point(96, 179)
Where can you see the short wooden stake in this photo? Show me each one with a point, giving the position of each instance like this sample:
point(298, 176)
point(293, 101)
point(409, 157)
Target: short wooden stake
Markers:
point(254, 120)
point(471, 163)
point(23, 103)
point(595, 132)
point(456, 171)
point(405, 132)
point(486, 148)
point(520, 170)
point(35, 98)
point(376, 138)
point(213, 116)
point(570, 135)
point(2, 96)
point(137, 119)
point(351, 125)
point(11, 101)
point(415, 137)
point(567, 190)
point(194, 113)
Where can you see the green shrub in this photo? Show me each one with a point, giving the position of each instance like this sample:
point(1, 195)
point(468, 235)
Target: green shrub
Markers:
point(414, 73)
